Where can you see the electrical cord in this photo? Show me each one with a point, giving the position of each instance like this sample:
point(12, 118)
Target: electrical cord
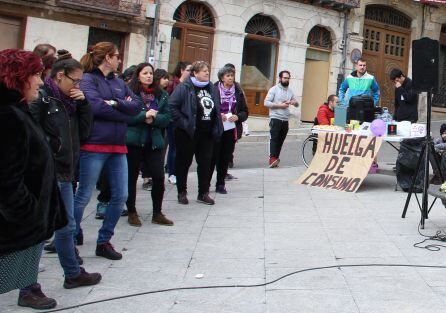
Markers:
point(439, 236)
point(243, 286)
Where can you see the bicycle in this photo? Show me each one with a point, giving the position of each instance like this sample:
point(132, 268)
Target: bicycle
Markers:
point(308, 149)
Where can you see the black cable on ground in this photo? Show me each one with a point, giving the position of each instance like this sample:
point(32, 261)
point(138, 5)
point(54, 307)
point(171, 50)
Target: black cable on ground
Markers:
point(439, 236)
point(243, 286)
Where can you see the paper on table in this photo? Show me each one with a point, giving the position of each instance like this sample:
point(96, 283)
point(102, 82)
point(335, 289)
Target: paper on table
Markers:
point(228, 125)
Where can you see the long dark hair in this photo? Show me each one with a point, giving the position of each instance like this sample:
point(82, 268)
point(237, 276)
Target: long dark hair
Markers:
point(136, 86)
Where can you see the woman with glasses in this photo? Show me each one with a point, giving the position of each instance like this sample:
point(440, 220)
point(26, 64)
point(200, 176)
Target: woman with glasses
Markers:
point(112, 104)
point(65, 117)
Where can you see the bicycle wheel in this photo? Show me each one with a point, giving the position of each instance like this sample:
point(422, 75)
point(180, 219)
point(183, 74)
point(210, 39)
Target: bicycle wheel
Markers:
point(308, 149)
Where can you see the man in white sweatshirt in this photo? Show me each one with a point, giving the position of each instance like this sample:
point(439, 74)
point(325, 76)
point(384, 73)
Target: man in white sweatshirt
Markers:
point(278, 100)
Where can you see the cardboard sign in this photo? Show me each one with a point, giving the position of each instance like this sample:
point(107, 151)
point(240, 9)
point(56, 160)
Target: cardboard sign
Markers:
point(342, 161)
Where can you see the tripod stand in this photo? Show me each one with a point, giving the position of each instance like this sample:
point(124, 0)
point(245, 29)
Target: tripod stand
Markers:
point(426, 151)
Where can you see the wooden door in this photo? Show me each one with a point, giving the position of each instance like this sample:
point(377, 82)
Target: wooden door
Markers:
point(384, 50)
point(11, 30)
point(197, 45)
point(315, 88)
point(255, 100)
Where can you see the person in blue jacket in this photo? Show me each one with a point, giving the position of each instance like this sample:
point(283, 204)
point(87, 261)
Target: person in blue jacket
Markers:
point(112, 104)
point(359, 82)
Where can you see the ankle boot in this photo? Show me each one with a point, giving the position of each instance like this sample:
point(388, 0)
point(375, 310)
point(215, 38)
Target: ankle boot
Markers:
point(134, 220)
point(35, 298)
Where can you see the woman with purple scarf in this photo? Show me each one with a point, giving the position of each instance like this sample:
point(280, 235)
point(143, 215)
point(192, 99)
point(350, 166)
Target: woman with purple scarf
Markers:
point(65, 117)
point(145, 142)
point(233, 112)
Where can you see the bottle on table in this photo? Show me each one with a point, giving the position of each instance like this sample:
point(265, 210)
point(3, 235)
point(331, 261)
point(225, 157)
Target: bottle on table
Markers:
point(386, 116)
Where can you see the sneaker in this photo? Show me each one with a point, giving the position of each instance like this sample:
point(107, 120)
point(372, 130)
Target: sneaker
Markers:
point(182, 198)
point(125, 213)
point(50, 248)
point(134, 220)
point(101, 208)
point(204, 198)
point(221, 189)
point(161, 219)
point(83, 279)
point(230, 177)
point(36, 299)
point(147, 184)
point(79, 237)
point(172, 179)
point(436, 180)
point(78, 257)
point(107, 251)
point(273, 162)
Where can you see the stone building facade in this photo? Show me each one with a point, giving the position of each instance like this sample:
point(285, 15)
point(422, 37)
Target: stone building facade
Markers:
point(316, 40)
point(261, 38)
point(75, 24)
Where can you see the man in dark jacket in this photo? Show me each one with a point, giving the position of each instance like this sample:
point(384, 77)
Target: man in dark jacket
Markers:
point(406, 100)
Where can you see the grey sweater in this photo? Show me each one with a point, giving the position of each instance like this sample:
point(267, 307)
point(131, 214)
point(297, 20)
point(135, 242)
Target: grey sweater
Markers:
point(275, 95)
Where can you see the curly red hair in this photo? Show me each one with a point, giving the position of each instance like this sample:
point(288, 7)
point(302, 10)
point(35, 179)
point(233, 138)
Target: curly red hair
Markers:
point(16, 66)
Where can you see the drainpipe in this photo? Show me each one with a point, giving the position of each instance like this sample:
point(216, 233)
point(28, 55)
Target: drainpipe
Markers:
point(150, 51)
point(423, 20)
point(341, 74)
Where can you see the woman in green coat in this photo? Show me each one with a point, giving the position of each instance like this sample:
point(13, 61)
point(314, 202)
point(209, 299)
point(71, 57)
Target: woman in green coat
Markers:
point(145, 141)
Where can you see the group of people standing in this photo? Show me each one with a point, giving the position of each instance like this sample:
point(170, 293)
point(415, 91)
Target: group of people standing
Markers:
point(64, 123)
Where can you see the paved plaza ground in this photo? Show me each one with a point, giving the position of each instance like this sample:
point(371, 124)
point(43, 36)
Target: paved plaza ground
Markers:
point(267, 226)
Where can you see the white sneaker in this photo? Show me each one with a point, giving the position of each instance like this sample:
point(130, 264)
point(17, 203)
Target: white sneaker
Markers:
point(172, 179)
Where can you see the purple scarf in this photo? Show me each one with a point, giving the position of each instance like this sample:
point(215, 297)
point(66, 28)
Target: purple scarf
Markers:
point(69, 103)
point(149, 100)
point(227, 98)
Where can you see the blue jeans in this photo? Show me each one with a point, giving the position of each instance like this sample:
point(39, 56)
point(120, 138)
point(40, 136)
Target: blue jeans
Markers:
point(171, 153)
point(90, 167)
point(64, 237)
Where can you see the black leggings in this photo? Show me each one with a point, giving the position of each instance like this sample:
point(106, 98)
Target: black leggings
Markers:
point(222, 155)
point(186, 147)
point(155, 165)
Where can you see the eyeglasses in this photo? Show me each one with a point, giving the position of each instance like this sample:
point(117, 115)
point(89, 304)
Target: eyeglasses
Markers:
point(116, 55)
point(75, 81)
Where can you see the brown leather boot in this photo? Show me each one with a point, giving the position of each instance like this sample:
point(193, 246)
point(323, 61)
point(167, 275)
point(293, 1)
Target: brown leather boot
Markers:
point(36, 299)
point(134, 220)
point(159, 218)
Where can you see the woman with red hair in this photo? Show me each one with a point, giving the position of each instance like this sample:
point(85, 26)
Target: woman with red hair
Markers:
point(30, 207)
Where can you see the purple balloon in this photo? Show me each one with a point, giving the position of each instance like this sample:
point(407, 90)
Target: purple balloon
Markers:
point(378, 127)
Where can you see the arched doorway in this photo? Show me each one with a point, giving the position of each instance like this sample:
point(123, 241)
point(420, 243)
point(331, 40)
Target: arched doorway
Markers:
point(386, 46)
point(192, 35)
point(259, 63)
point(317, 70)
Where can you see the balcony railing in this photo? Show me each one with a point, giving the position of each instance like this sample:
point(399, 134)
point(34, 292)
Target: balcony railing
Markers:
point(338, 4)
point(112, 7)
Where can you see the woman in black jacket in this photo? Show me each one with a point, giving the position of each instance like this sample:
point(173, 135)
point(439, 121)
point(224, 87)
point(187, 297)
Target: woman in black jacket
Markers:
point(30, 207)
point(195, 111)
point(66, 118)
point(233, 113)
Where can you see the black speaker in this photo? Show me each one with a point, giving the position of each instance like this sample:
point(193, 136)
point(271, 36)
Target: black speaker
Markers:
point(425, 64)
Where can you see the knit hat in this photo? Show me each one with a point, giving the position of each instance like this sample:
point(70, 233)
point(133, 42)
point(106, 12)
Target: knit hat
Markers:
point(442, 129)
